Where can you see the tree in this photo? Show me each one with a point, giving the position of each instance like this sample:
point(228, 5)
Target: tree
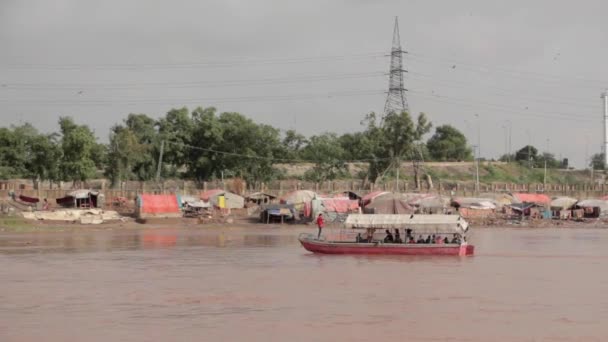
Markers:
point(144, 128)
point(293, 143)
point(448, 144)
point(175, 129)
point(43, 156)
point(597, 161)
point(393, 140)
point(124, 151)
point(327, 154)
point(527, 154)
point(77, 144)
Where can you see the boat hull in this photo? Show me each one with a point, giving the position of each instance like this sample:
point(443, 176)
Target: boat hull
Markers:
point(329, 247)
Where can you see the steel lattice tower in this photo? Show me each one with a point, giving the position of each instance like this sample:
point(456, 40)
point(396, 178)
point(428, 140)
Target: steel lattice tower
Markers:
point(395, 101)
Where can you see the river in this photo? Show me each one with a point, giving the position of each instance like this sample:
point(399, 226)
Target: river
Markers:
point(258, 284)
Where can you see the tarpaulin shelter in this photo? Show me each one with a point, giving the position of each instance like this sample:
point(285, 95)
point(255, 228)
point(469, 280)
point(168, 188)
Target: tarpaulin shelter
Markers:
point(302, 201)
point(298, 196)
point(561, 203)
point(82, 198)
point(260, 198)
point(223, 199)
point(474, 203)
point(593, 207)
point(430, 203)
point(272, 212)
point(334, 209)
point(365, 200)
point(162, 206)
point(540, 199)
point(389, 203)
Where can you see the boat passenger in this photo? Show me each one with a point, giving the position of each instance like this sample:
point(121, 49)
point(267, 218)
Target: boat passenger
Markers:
point(428, 239)
point(359, 238)
point(398, 237)
point(455, 239)
point(446, 240)
point(389, 237)
point(438, 239)
point(412, 240)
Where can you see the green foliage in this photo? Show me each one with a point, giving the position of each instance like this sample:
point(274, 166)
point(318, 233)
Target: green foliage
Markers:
point(448, 144)
point(392, 140)
point(597, 161)
point(80, 152)
point(327, 154)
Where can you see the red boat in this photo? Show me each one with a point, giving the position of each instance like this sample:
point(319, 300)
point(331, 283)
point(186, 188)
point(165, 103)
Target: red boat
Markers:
point(439, 225)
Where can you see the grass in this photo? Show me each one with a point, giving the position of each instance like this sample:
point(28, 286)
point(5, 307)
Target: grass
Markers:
point(16, 224)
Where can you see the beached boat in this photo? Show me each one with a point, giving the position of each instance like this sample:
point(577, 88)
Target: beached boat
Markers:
point(416, 225)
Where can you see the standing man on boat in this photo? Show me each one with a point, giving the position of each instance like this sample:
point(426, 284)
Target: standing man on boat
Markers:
point(320, 224)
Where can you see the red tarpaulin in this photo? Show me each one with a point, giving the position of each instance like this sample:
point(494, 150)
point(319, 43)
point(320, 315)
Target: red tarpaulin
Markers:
point(28, 199)
point(532, 198)
point(340, 205)
point(156, 204)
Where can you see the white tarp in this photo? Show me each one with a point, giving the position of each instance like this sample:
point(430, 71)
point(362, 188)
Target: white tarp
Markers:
point(419, 223)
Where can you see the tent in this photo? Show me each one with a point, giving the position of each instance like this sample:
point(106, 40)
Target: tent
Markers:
point(561, 203)
point(593, 207)
point(163, 206)
point(82, 199)
point(430, 203)
point(223, 199)
point(365, 200)
point(389, 203)
point(474, 203)
point(334, 209)
point(277, 212)
point(298, 196)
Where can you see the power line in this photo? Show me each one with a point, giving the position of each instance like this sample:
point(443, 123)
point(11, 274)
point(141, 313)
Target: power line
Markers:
point(513, 72)
point(195, 65)
point(132, 101)
point(194, 84)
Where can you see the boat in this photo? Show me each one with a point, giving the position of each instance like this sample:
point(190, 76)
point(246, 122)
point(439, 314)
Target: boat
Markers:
point(414, 225)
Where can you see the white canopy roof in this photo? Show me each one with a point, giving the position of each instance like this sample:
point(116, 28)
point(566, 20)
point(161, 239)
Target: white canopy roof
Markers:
point(419, 223)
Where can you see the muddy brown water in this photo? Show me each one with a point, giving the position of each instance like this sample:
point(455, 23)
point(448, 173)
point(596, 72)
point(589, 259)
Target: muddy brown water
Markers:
point(258, 284)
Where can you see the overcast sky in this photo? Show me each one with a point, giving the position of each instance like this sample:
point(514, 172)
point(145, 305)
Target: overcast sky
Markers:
point(313, 65)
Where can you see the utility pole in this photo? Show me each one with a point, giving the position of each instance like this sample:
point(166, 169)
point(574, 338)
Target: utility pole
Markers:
point(478, 135)
point(475, 151)
point(395, 100)
point(160, 160)
point(529, 154)
point(605, 97)
point(545, 176)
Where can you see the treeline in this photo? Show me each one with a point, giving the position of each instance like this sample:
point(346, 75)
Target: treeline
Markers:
point(203, 144)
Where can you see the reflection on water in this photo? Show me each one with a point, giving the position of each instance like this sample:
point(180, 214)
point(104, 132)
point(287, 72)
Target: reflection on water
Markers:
point(258, 284)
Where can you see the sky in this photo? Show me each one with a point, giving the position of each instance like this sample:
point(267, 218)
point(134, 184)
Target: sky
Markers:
point(531, 68)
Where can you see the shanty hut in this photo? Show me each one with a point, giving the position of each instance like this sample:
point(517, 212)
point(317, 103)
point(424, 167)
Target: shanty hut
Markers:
point(82, 199)
point(158, 206)
point(389, 203)
point(223, 199)
point(590, 208)
point(335, 209)
point(276, 212)
point(302, 201)
point(367, 198)
point(260, 198)
point(471, 207)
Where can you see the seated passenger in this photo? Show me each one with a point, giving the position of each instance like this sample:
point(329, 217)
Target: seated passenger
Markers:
point(428, 239)
point(446, 240)
point(398, 237)
point(420, 239)
point(438, 239)
point(389, 237)
point(455, 239)
point(359, 238)
point(411, 240)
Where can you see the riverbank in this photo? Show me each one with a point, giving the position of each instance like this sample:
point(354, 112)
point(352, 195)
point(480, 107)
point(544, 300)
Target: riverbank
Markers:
point(20, 225)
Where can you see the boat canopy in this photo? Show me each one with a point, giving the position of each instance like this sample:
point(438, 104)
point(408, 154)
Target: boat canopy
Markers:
point(424, 224)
